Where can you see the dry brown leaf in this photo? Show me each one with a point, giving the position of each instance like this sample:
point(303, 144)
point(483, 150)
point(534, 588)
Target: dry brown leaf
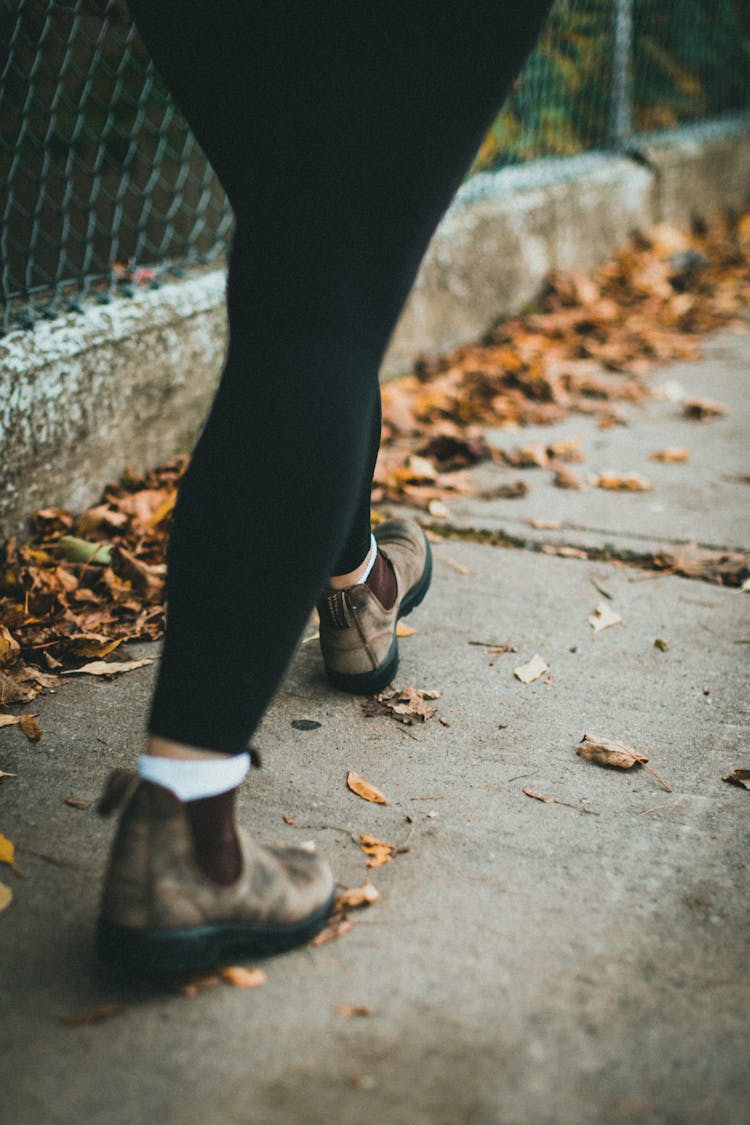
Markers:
point(354, 897)
point(727, 568)
point(565, 477)
point(673, 454)
point(74, 803)
point(23, 683)
point(240, 977)
point(603, 617)
point(738, 777)
point(349, 1011)
point(404, 630)
point(545, 525)
point(531, 670)
point(405, 706)
point(193, 987)
point(538, 796)
point(606, 752)
point(624, 482)
point(336, 928)
point(9, 720)
point(700, 409)
point(93, 1015)
point(107, 668)
point(364, 789)
point(287, 819)
point(378, 851)
point(31, 727)
point(6, 896)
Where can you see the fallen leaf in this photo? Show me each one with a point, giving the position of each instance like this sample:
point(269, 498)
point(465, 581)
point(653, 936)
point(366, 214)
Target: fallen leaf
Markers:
point(8, 854)
point(671, 455)
point(193, 987)
point(337, 927)
point(305, 724)
point(438, 510)
point(348, 1011)
point(239, 977)
point(354, 897)
point(287, 819)
point(81, 551)
point(661, 644)
point(545, 525)
point(404, 630)
point(406, 705)
point(738, 777)
point(31, 727)
point(603, 617)
point(74, 803)
point(9, 720)
point(624, 482)
point(6, 896)
point(512, 491)
point(378, 851)
point(4, 774)
point(700, 409)
point(364, 789)
point(538, 796)
point(605, 752)
point(565, 477)
point(10, 649)
point(727, 568)
point(107, 668)
point(93, 1015)
point(531, 670)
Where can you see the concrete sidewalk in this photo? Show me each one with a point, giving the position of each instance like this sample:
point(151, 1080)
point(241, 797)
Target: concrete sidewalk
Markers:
point(583, 961)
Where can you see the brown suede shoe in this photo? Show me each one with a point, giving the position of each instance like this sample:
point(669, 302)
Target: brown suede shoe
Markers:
point(161, 914)
point(357, 634)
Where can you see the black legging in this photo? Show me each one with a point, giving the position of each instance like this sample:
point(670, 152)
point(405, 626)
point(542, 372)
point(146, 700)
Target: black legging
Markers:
point(340, 132)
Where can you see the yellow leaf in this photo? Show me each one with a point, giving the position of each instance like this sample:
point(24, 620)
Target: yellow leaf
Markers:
point(364, 789)
point(6, 896)
point(404, 630)
point(243, 978)
point(9, 647)
point(7, 850)
point(671, 455)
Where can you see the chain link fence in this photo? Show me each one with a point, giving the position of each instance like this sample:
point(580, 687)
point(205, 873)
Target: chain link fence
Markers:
point(103, 188)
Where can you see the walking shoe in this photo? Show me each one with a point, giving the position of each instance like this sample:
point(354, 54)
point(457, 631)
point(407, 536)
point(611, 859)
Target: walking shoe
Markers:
point(161, 914)
point(357, 634)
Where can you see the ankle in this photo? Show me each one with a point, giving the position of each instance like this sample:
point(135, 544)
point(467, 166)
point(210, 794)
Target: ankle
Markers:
point(216, 846)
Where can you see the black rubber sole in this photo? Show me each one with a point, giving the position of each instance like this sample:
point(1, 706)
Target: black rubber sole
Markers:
point(166, 952)
point(370, 683)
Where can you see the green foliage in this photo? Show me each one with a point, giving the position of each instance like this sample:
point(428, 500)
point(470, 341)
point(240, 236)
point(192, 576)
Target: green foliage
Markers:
point(689, 59)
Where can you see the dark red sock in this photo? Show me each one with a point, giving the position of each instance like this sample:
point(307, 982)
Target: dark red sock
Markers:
point(382, 581)
point(217, 848)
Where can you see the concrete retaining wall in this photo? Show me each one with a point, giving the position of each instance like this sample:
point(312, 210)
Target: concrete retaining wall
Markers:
point(129, 382)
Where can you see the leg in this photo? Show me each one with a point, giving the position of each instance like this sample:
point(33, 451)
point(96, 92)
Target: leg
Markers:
point(340, 135)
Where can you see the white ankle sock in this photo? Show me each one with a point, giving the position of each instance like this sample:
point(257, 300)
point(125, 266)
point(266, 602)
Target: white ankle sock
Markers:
point(192, 778)
point(371, 563)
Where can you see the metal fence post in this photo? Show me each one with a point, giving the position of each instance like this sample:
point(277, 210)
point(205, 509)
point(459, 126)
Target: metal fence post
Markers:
point(621, 120)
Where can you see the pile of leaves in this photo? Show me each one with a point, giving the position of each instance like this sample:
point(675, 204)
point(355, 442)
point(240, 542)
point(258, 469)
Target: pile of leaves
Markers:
point(587, 347)
point(86, 584)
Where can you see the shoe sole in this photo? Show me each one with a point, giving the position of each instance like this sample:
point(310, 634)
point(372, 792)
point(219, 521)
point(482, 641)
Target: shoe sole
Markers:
point(165, 952)
point(370, 683)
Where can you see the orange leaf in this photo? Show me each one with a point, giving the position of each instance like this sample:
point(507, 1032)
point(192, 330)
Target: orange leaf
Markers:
point(243, 978)
point(378, 851)
point(364, 789)
point(365, 895)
